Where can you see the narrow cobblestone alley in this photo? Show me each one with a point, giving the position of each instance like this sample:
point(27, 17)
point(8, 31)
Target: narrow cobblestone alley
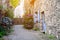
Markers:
point(23, 34)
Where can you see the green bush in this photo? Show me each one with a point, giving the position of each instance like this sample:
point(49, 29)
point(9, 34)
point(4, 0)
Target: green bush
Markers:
point(10, 13)
point(2, 31)
point(51, 37)
point(36, 29)
point(1, 6)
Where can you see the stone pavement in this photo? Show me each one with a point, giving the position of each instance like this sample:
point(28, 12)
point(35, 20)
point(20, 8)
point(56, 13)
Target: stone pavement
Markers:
point(23, 34)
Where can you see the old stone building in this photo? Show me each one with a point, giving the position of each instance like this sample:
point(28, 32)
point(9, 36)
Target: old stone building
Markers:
point(52, 18)
point(29, 5)
point(51, 9)
point(52, 12)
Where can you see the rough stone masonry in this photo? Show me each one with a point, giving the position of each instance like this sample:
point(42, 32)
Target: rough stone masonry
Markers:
point(52, 14)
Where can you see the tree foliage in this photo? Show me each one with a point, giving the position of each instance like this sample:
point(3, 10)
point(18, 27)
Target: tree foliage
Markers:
point(14, 3)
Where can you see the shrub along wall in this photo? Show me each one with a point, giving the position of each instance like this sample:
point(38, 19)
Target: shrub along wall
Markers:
point(28, 21)
point(3, 29)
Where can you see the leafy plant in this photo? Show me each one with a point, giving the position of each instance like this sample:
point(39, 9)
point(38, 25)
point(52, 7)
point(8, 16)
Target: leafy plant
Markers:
point(10, 13)
point(36, 29)
point(2, 31)
point(51, 37)
point(1, 39)
point(14, 3)
point(1, 6)
point(28, 21)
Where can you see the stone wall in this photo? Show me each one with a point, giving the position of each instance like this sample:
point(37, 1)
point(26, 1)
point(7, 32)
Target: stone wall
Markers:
point(29, 5)
point(52, 13)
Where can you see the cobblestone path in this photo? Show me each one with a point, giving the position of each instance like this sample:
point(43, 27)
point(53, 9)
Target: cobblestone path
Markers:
point(23, 34)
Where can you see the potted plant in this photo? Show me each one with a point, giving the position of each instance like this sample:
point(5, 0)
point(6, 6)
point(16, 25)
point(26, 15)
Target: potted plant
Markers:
point(28, 21)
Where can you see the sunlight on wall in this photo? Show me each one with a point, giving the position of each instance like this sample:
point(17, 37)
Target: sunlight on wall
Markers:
point(19, 10)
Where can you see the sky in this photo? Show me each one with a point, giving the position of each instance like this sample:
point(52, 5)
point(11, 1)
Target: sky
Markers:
point(19, 10)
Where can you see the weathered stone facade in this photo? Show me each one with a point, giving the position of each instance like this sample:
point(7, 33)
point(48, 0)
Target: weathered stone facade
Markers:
point(29, 5)
point(52, 13)
point(52, 16)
